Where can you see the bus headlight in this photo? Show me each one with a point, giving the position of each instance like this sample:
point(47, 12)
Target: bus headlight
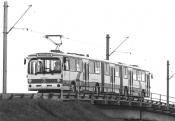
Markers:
point(59, 80)
point(29, 80)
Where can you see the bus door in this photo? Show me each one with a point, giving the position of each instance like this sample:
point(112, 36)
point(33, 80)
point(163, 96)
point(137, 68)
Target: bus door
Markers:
point(121, 80)
point(66, 70)
point(86, 75)
point(112, 78)
point(148, 84)
point(130, 82)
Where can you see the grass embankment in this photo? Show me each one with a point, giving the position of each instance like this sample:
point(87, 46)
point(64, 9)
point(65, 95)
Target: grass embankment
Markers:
point(49, 110)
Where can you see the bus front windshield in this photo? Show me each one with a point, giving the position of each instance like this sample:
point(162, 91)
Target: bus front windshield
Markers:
point(44, 65)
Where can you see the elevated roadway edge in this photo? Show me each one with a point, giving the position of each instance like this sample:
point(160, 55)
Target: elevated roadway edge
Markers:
point(116, 107)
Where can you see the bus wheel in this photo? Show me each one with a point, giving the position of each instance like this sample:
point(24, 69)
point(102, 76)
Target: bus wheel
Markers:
point(97, 87)
point(143, 93)
point(73, 86)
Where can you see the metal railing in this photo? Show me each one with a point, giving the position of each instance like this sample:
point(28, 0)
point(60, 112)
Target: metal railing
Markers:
point(108, 90)
point(161, 98)
point(97, 96)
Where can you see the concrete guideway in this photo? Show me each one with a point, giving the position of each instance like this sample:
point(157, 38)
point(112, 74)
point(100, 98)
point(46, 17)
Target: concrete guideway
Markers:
point(141, 107)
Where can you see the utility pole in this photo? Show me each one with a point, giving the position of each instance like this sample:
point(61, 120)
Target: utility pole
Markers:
point(107, 46)
point(5, 47)
point(5, 33)
point(168, 64)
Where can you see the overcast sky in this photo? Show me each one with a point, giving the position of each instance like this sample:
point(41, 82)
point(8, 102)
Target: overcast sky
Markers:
point(150, 25)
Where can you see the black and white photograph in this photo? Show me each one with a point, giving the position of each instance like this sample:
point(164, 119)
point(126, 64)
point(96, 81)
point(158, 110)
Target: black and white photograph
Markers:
point(87, 60)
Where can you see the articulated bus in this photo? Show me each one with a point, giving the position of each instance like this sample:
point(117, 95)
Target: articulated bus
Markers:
point(55, 71)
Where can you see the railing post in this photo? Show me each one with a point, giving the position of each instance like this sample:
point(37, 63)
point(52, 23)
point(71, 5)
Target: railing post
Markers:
point(92, 98)
point(141, 114)
point(61, 95)
point(106, 99)
point(78, 93)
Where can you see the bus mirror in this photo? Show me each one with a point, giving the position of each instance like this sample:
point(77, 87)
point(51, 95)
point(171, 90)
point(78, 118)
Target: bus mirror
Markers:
point(24, 61)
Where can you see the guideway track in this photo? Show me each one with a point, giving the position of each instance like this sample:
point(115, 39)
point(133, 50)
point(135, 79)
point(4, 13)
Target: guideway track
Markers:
point(148, 104)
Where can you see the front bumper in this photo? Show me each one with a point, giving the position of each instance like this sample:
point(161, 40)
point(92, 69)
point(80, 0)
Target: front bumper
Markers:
point(44, 86)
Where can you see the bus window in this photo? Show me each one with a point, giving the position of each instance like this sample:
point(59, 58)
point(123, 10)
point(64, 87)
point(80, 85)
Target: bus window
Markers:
point(106, 68)
point(143, 76)
point(125, 72)
point(39, 66)
point(29, 68)
point(134, 75)
point(47, 65)
point(33, 67)
point(66, 63)
point(72, 64)
point(57, 66)
point(117, 71)
point(139, 75)
point(97, 67)
point(91, 67)
point(79, 65)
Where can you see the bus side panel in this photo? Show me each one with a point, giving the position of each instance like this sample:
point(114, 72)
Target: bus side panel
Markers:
point(93, 79)
point(125, 82)
point(136, 88)
point(143, 85)
point(75, 76)
point(66, 77)
point(107, 85)
point(117, 84)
